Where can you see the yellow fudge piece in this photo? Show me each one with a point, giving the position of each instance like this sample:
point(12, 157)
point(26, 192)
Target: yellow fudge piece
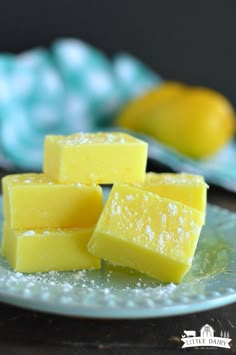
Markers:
point(102, 158)
point(46, 250)
point(186, 188)
point(151, 234)
point(35, 201)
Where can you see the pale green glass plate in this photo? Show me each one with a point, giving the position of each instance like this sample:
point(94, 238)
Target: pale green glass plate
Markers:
point(114, 292)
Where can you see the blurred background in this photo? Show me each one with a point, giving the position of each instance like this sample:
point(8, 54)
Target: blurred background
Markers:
point(181, 41)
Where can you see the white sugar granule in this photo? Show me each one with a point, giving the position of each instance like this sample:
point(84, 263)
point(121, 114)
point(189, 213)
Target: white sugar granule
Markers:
point(139, 225)
point(129, 197)
point(115, 208)
point(127, 211)
point(150, 233)
point(161, 243)
point(179, 230)
point(163, 218)
point(18, 275)
point(27, 181)
point(118, 210)
point(29, 233)
point(162, 238)
point(172, 209)
point(67, 287)
point(80, 274)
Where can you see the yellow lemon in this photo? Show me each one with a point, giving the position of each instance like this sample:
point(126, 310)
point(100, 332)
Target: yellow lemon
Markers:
point(195, 121)
point(137, 110)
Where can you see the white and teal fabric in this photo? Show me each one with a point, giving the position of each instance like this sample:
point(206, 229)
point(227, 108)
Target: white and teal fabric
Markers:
point(72, 87)
point(219, 170)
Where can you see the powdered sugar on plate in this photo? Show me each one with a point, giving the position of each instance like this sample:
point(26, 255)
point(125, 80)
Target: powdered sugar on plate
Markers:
point(82, 287)
point(114, 292)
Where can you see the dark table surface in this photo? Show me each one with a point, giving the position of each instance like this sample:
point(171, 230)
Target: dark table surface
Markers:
point(25, 332)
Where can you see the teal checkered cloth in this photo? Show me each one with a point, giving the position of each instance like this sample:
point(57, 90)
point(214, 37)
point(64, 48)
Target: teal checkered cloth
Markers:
point(218, 170)
point(72, 87)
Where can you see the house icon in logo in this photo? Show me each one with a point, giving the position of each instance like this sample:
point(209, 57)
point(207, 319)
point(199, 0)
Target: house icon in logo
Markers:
point(207, 331)
point(206, 338)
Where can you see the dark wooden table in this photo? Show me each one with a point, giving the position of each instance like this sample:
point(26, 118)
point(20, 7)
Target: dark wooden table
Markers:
point(25, 332)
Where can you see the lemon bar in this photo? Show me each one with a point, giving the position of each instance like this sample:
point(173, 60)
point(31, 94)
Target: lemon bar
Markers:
point(102, 158)
point(45, 250)
point(34, 201)
point(189, 189)
point(141, 230)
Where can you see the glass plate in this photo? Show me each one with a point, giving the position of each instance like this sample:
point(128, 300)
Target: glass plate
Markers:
point(115, 292)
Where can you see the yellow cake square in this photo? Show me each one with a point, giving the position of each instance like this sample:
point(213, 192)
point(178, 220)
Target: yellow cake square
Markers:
point(49, 249)
point(151, 234)
point(34, 201)
point(102, 158)
point(189, 189)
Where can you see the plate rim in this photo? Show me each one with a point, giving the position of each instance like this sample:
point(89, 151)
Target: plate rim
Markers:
point(86, 312)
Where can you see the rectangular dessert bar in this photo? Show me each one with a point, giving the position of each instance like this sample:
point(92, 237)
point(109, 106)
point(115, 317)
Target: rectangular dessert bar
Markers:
point(34, 201)
point(189, 189)
point(49, 249)
point(148, 233)
point(102, 158)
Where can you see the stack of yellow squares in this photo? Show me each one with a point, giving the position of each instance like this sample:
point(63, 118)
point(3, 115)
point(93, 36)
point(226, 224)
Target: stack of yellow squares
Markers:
point(49, 217)
point(56, 220)
point(46, 225)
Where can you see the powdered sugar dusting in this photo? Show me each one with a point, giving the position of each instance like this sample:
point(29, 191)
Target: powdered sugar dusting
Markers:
point(163, 236)
point(95, 138)
point(29, 179)
point(160, 225)
point(175, 179)
point(163, 218)
point(172, 209)
point(29, 233)
point(85, 288)
point(150, 233)
point(115, 208)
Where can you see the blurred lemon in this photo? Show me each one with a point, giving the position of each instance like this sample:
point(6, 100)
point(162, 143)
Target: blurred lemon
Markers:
point(195, 121)
point(136, 111)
